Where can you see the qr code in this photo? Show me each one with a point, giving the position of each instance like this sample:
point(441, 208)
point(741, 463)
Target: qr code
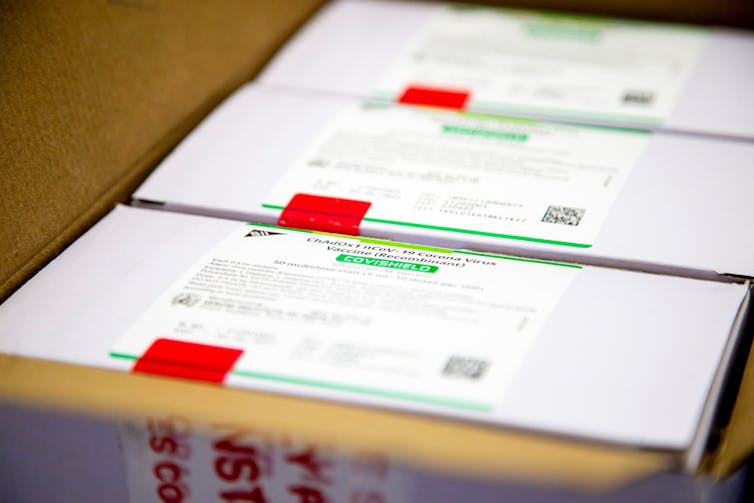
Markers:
point(563, 215)
point(459, 366)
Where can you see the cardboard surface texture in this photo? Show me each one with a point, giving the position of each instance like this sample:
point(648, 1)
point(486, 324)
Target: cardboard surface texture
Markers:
point(95, 95)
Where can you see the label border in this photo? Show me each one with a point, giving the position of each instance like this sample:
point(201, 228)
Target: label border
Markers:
point(457, 230)
point(363, 390)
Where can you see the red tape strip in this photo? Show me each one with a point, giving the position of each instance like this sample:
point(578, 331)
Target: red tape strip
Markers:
point(326, 214)
point(435, 96)
point(187, 360)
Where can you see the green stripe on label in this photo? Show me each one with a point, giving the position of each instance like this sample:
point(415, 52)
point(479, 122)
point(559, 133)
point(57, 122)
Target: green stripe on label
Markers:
point(556, 115)
point(388, 264)
point(478, 233)
point(500, 135)
point(494, 107)
point(123, 356)
point(453, 229)
point(398, 395)
point(500, 118)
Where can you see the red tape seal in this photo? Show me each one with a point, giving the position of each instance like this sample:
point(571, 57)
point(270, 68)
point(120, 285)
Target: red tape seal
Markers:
point(187, 360)
point(435, 97)
point(326, 214)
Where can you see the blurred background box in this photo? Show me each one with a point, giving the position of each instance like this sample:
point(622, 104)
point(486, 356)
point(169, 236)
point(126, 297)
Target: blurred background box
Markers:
point(581, 69)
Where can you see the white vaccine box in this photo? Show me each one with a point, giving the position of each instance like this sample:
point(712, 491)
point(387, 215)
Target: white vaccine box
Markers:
point(677, 204)
point(626, 359)
point(569, 67)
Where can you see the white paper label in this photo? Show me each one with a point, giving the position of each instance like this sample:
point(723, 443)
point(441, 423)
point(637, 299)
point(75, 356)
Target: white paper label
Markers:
point(551, 64)
point(172, 460)
point(360, 319)
point(513, 179)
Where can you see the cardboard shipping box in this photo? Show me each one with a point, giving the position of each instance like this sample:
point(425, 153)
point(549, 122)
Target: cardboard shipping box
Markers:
point(96, 95)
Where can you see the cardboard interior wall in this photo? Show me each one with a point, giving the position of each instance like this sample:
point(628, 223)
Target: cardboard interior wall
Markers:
point(93, 95)
point(99, 93)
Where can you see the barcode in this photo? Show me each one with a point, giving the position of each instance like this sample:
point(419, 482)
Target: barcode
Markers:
point(639, 97)
point(461, 366)
point(563, 215)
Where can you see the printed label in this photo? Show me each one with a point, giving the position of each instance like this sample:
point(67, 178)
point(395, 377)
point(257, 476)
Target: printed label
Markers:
point(553, 64)
point(509, 178)
point(171, 460)
point(357, 319)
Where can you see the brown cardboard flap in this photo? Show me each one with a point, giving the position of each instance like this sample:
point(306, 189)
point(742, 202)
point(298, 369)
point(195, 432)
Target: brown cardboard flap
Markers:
point(436, 444)
point(93, 94)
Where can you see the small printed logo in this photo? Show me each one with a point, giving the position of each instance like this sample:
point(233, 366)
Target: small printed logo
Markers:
point(638, 97)
point(185, 299)
point(255, 233)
